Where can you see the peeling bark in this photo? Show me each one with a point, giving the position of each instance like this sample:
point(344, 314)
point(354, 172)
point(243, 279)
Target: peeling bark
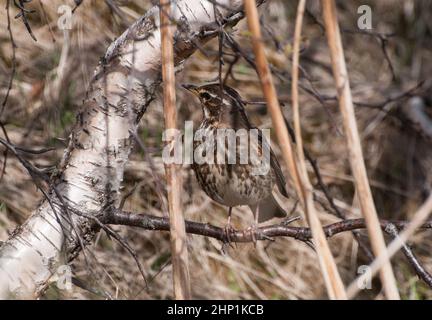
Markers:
point(91, 170)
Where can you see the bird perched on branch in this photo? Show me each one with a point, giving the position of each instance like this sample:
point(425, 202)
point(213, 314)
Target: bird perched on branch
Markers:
point(242, 182)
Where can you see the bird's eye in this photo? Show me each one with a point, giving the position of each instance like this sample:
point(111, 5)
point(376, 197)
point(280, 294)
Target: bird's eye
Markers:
point(205, 96)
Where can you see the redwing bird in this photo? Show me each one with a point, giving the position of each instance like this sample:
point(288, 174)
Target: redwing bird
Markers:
point(235, 184)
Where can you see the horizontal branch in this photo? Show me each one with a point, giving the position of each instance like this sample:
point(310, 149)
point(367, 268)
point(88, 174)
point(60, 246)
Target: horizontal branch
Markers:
point(150, 222)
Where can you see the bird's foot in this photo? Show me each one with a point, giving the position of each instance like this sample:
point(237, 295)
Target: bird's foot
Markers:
point(229, 231)
point(287, 221)
point(253, 231)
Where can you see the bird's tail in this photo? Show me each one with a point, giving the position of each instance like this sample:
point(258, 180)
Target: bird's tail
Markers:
point(269, 208)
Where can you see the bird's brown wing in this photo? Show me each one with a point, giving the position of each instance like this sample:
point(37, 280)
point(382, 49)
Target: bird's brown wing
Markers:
point(280, 179)
point(242, 121)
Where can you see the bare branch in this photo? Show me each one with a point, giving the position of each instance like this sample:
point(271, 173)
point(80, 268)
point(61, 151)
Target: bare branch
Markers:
point(419, 269)
point(154, 223)
point(20, 4)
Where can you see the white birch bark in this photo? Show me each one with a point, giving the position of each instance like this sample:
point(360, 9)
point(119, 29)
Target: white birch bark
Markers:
point(92, 167)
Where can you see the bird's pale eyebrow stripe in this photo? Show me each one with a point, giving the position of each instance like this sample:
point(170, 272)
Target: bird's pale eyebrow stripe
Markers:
point(212, 95)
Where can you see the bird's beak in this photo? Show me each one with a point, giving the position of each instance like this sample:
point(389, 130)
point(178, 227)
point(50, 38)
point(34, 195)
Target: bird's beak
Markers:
point(190, 87)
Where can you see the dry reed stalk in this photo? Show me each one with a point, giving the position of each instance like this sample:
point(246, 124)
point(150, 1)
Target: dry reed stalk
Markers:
point(354, 147)
point(179, 253)
point(334, 285)
point(419, 218)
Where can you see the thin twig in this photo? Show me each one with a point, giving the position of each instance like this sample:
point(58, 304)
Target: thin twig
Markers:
point(13, 45)
point(418, 220)
point(112, 233)
point(419, 269)
point(20, 4)
point(153, 171)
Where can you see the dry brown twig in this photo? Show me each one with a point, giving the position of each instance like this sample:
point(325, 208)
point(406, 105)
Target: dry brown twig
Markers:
point(335, 287)
point(283, 229)
point(354, 146)
point(419, 269)
point(179, 253)
point(400, 240)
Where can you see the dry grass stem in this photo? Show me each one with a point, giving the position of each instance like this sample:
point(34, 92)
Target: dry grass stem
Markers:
point(354, 146)
point(179, 253)
point(334, 285)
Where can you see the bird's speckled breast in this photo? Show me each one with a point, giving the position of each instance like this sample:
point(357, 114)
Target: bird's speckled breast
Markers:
point(231, 184)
